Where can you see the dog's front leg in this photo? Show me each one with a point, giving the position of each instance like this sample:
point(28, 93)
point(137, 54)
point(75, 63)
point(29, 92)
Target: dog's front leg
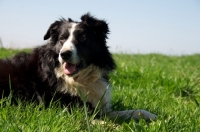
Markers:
point(132, 114)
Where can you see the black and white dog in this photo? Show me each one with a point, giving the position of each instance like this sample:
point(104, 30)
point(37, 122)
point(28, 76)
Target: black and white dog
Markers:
point(75, 61)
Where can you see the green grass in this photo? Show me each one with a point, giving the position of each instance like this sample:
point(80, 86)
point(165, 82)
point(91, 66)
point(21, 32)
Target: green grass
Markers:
point(168, 86)
point(5, 53)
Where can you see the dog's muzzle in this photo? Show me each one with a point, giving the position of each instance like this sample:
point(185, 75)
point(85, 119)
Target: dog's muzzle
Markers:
point(71, 64)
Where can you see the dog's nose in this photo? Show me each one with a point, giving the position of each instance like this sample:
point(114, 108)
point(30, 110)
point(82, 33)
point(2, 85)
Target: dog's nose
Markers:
point(66, 54)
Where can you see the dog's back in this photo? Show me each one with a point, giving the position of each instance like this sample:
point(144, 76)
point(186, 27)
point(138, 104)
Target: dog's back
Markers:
point(15, 75)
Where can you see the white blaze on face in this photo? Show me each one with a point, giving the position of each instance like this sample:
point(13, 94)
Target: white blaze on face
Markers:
point(69, 46)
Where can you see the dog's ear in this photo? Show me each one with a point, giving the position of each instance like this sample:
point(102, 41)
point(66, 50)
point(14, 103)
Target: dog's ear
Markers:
point(52, 29)
point(99, 26)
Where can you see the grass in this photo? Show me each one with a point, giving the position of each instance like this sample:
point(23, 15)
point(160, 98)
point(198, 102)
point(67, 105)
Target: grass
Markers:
point(165, 85)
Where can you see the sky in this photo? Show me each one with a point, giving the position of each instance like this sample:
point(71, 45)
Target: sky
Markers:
point(136, 26)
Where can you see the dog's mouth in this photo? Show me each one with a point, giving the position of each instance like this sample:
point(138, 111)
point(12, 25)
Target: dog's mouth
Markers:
point(71, 69)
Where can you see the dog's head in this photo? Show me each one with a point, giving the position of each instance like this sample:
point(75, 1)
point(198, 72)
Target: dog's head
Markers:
point(81, 43)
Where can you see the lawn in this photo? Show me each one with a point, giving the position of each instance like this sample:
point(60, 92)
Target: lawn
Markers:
point(164, 85)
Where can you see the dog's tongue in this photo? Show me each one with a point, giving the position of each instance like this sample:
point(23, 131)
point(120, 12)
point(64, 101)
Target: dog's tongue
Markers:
point(69, 68)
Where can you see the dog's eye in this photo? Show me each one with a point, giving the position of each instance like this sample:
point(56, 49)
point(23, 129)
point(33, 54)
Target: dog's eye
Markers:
point(83, 38)
point(62, 40)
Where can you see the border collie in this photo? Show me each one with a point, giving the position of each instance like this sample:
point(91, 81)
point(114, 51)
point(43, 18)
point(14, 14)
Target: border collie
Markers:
point(74, 62)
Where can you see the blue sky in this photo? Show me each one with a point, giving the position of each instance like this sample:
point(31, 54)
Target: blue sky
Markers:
point(137, 26)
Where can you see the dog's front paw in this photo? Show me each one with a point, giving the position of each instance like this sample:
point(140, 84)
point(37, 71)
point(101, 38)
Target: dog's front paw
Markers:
point(138, 114)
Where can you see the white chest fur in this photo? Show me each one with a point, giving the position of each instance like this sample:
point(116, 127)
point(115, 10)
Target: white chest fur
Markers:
point(88, 83)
